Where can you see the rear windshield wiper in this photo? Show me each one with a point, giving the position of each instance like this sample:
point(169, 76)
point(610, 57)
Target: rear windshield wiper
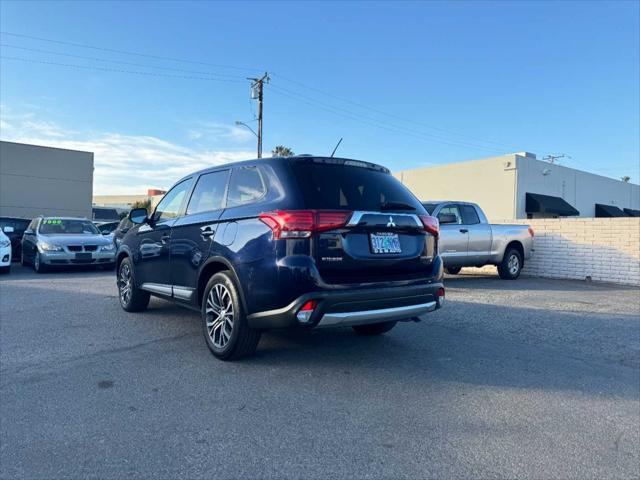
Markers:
point(396, 206)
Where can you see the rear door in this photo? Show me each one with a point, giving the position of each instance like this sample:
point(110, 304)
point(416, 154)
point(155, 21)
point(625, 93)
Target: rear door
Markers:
point(479, 246)
point(454, 236)
point(384, 238)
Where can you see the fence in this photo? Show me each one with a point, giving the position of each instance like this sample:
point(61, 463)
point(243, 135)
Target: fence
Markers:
point(599, 249)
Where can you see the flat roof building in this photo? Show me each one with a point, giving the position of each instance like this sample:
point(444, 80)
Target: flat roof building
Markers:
point(37, 180)
point(520, 186)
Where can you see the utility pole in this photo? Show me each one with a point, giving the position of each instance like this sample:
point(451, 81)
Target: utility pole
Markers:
point(257, 89)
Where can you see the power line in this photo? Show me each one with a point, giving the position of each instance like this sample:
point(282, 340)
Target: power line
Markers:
point(117, 70)
point(127, 52)
point(337, 110)
point(120, 62)
point(387, 114)
point(378, 123)
point(374, 123)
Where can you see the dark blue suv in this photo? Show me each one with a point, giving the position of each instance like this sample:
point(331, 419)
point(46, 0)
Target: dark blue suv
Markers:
point(304, 241)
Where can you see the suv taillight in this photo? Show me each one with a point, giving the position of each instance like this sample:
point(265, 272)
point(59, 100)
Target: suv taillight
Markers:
point(431, 224)
point(302, 223)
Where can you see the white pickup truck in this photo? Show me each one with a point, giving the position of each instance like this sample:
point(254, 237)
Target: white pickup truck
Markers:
point(468, 240)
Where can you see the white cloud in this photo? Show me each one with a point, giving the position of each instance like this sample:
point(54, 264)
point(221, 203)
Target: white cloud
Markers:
point(123, 164)
point(212, 131)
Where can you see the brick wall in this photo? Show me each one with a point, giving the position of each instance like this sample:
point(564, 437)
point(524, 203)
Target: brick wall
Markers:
point(604, 249)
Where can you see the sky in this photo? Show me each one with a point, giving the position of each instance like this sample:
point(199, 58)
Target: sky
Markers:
point(154, 88)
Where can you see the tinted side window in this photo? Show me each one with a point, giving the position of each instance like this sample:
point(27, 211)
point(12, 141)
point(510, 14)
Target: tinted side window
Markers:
point(246, 186)
point(209, 192)
point(469, 215)
point(21, 225)
point(450, 210)
point(169, 206)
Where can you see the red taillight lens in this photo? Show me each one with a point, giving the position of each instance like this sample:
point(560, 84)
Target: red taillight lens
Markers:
point(431, 224)
point(305, 312)
point(309, 306)
point(531, 232)
point(330, 219)
point(302, 223)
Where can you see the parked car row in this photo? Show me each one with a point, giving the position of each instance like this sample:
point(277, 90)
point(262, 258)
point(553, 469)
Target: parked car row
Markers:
point(44, 242)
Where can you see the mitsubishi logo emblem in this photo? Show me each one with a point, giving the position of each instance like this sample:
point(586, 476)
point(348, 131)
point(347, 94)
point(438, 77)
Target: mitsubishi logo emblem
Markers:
point(391, 223)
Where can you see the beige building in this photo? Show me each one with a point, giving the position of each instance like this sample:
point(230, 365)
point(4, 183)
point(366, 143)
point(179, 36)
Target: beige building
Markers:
point(520, 186)
point(36, 180)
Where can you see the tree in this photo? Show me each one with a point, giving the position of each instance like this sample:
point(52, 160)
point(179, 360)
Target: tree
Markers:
point(142, 204)
point(282, 151)
point(625, 179)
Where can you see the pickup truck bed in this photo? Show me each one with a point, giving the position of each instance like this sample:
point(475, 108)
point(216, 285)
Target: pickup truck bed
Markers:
point(467, 239)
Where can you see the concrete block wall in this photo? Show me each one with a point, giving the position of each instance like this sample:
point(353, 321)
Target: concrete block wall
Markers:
point(600, 249)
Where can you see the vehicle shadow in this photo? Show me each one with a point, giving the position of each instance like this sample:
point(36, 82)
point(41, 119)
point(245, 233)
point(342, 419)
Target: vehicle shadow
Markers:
point(485, 280)
point(468, 343)
point(563, 354)
point(18, 272)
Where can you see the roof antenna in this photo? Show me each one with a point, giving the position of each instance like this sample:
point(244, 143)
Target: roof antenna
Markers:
point(334, 150)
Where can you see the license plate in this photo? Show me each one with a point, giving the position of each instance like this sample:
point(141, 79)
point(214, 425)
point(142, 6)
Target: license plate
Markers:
point(85, 257)
point(385, 242)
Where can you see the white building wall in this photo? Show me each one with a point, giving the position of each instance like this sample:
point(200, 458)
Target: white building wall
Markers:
point(490, 182)
point(598, 249)
point(580, 189)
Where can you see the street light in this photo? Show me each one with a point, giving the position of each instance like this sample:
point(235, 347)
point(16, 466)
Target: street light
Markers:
point(239, 123)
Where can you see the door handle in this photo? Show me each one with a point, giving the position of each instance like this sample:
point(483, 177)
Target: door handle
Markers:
point(165, 238)
point(464, 230)
point(207, 231)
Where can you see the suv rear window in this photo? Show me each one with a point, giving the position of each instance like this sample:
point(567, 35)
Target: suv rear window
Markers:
point(346, 187)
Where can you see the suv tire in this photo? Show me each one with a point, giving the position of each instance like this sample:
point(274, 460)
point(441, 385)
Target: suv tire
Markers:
point(132, 299)
point(224, 323)
point(511, 265)
point(374, 328)
point(453, 270)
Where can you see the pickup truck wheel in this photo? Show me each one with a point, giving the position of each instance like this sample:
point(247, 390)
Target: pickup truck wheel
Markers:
point(453, 270)
point(132, 299)
point(374, 328)
point(224, 323)
point(511, 265)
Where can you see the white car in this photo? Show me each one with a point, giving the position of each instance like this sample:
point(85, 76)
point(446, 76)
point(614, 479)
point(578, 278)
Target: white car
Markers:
point(5, 251)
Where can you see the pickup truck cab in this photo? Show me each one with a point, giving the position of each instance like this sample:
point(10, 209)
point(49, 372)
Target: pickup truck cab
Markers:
point(467, 239)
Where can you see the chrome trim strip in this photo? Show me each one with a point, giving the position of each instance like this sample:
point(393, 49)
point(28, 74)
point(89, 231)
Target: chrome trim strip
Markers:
point(157, 288)
point(374, 316)
point(356, 218)
point(183, 293)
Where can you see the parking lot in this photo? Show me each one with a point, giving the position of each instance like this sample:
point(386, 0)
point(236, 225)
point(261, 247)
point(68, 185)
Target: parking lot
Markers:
point(532, 378)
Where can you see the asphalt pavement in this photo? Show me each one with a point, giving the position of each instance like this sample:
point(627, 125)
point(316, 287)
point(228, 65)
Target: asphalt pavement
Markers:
point(512, 379)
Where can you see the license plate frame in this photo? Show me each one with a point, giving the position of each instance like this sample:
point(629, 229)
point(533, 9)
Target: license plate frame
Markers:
point(84, 257)
point(385, 243)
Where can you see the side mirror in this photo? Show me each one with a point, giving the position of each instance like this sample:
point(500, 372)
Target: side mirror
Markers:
point(138, 215)
point(8, 229)
point(446, 218)
point(28, 231)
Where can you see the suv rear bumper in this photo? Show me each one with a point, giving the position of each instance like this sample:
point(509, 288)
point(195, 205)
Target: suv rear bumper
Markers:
point(354, 307)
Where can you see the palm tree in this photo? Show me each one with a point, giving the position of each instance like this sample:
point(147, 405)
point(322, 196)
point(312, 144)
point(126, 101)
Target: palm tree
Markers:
point(282, 151)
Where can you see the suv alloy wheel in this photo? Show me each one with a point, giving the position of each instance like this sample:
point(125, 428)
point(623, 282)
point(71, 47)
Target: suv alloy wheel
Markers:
point(224, 323)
